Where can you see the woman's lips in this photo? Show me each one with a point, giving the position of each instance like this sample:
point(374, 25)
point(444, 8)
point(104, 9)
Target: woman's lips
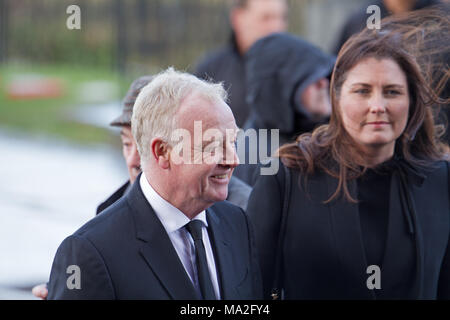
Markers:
point(378, 122)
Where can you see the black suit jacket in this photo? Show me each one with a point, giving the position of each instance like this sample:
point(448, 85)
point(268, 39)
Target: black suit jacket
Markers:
point(323, 255)
point(125, 253)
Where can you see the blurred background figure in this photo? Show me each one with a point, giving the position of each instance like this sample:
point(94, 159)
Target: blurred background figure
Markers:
point(287, 80)
point(250, 20)
point(357, 21)
point(129, 148)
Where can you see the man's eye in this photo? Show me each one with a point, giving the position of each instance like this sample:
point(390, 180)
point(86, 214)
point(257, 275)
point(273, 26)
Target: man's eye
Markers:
point(213, 146)
point(126, 144)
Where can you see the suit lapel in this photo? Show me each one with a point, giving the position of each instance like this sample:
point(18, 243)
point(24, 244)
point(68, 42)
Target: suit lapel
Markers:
point(223, 256)
point(349, 244)
point(157, 249)
point(163, 260)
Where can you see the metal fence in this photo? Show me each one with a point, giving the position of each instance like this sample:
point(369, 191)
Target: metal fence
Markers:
point(156, 33)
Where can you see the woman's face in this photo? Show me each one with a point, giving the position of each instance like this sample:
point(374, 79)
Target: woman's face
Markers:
point(374, 103)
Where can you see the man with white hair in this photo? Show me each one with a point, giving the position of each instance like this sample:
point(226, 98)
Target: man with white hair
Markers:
point(171, 236)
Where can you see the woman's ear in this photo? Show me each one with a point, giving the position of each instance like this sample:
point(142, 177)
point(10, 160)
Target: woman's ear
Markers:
point(161, 152)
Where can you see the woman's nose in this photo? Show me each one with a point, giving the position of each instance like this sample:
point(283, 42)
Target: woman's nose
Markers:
point(377, 103)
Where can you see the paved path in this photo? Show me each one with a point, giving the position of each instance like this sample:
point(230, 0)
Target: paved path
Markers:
point(48, 189)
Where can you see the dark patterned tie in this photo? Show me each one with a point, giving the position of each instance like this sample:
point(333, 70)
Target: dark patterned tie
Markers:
point(195, 229)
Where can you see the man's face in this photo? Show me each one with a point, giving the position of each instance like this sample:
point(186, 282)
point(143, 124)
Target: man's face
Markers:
point(204, 175)
point(130, 153)
point(257, 20)
point(315, 98)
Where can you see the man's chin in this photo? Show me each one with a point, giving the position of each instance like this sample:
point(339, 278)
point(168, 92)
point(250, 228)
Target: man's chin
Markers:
point(219, 196)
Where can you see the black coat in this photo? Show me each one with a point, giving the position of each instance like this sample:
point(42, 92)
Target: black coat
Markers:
point(323, 252)
point(125, 253)
point(113, 198)
point(227, 65)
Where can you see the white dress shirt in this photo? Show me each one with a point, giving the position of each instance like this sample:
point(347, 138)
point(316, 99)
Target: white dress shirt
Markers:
point(174, 222)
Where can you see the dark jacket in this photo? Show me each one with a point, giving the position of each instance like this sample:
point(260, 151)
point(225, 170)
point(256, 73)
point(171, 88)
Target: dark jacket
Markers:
point(278, 69)
point(113, 198)
point(125, 253)
point(226, 64)
point(323, 253)
point(238, 193)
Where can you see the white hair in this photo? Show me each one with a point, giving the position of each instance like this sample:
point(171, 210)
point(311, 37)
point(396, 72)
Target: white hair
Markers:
point(158, 102)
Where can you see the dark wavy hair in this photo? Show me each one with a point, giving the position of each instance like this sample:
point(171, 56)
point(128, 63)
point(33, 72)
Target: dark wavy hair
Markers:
point(331, 149)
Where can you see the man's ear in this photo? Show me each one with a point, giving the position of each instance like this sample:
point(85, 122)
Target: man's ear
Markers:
point(161, 152)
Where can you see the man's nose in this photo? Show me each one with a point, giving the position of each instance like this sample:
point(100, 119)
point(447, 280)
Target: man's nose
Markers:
point(231, 158)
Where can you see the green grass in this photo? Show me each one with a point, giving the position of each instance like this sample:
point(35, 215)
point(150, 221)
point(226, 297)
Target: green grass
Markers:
point(51, 115)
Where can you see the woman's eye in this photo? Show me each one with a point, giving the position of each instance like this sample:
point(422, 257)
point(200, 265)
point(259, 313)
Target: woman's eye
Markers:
point(392, 92)
point(362, 91)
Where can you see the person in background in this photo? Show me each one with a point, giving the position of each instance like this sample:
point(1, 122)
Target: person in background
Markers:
point(358, 20)
point(287, 80)
point(250, 20)
point(360, 208)
point(171, 236)
point(238, 191)
point(129, 149)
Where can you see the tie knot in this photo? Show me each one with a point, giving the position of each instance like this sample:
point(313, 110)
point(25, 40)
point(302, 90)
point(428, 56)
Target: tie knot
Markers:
point(195, 229)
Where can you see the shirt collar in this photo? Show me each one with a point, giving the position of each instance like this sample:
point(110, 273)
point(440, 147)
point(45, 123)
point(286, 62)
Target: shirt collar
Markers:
point(171, 217)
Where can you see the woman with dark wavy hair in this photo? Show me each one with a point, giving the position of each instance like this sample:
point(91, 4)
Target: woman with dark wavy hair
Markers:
point(360, 208)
